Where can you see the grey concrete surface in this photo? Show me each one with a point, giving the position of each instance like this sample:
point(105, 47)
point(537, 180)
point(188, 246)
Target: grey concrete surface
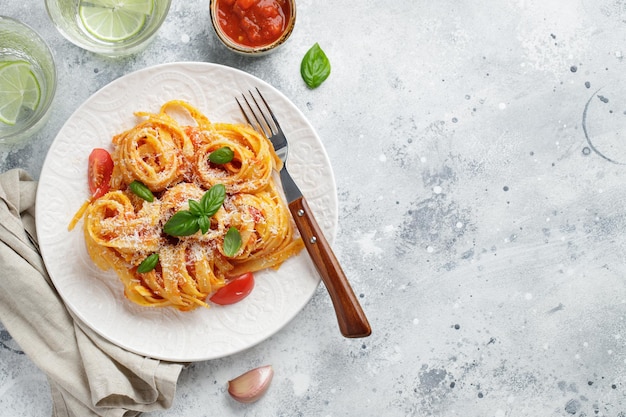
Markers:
point(478, 149)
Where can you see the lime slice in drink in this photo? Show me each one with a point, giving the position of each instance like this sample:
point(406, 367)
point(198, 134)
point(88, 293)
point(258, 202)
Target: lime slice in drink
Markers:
point(32, 93)
point(18, 87)
point(114, 20)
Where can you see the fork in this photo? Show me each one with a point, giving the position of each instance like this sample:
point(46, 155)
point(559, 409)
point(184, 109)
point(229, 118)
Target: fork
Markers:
point(350, 316)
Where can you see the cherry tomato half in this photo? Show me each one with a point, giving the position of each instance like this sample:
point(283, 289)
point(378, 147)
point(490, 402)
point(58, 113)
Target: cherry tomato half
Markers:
point(99, 172)
point(236, 290)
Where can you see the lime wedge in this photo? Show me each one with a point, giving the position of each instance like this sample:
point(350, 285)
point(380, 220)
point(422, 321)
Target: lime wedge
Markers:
point(18, 87)
point(114, 20)
point(32, 93)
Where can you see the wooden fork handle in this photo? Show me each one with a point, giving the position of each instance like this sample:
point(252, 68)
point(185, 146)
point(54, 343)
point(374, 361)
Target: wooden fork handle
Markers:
point(350, 315)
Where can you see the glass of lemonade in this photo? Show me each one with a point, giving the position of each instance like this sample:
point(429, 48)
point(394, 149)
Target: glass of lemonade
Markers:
point(109, 27)
point(27, 81)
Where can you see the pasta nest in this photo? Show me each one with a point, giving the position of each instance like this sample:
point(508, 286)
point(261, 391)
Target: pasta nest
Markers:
point(171, 159)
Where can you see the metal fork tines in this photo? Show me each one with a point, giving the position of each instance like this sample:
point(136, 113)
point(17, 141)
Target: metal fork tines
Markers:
point(351, 318)
point(268, 126)
point(256, 117)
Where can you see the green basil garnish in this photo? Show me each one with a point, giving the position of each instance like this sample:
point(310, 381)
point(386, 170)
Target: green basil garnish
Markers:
point(188, 222)
point(140, 190)
point(222, 155)
point(204, 224)
point(232, 242)
point(195, 208)
point(213, 199)
point(182, 223)
point(148, 264)
point(315, 67)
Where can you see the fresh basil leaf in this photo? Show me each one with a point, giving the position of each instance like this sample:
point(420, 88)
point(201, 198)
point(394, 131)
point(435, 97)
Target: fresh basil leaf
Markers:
point(315, 66)
point(140, 190)
point(182, 223)
point(195, 208)
point(232, 242)
point(148, 264)
point(204, 223)
point(213, 199)
point(222, 155)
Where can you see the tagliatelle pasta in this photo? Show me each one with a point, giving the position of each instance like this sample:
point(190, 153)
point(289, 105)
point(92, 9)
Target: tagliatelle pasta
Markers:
point(171, 159)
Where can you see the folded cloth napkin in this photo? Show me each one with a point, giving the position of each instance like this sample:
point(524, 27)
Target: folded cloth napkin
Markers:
point(88, 375)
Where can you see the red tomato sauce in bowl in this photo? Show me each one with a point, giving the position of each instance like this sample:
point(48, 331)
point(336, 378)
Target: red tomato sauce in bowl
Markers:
point(253, 23)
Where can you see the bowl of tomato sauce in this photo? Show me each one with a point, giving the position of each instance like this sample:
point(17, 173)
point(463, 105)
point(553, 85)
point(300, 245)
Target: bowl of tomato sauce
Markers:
point(253, 27)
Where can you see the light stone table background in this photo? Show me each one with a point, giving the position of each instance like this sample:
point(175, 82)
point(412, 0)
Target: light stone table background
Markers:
point(480, 160)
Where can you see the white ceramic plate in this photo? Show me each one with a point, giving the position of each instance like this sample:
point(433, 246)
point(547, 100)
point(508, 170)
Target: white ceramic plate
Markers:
point(96, 297)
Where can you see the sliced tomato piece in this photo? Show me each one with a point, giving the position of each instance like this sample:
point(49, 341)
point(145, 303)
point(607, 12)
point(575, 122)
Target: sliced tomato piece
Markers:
point(99, 172)
point(236, 290)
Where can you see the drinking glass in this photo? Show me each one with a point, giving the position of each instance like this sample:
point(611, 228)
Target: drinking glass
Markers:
point(85, 24)
point(21, 46)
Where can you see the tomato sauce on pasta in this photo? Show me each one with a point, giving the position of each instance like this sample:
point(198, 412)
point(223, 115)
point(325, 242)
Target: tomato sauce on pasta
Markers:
point(121, 229)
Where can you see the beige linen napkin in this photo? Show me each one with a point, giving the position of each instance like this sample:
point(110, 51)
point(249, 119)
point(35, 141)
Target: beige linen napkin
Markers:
point(88, 375)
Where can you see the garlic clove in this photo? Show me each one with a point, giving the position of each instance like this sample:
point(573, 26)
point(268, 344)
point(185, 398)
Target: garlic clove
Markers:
point(250, 386)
